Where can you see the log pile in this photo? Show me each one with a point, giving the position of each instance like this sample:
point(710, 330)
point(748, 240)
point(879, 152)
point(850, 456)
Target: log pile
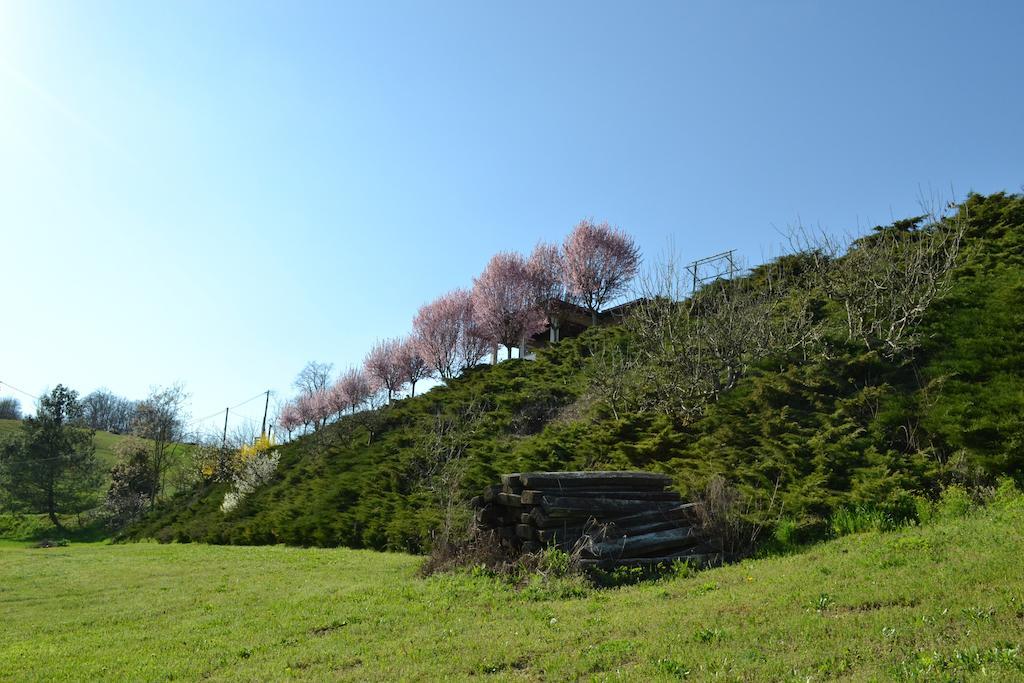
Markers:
point(606, 519)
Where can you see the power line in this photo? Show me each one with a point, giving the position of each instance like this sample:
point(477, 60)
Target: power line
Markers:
point(249, 400)
point(21, 391)
point(190, 423)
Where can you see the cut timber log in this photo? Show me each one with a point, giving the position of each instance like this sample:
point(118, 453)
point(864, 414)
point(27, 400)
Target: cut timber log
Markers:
point(564, 506)
point(535, 497)
point(601, 532)
point(645, 544)
point(511, 483)
point(612, 518)
point(508, 499)
point(542, 520)
point(623, 480)
point(680, 511)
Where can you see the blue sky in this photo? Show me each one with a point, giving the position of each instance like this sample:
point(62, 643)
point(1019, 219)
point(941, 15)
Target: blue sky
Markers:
point(216, 193)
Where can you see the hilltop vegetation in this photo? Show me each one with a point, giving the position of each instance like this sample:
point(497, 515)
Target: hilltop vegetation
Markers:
point(942, 601)
point(797, 437)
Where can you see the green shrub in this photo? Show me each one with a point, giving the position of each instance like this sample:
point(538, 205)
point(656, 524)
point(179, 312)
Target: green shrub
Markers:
point(954, 501)
point(555, 563)
point(845, 520)
point(925, 509)
point(1007, 495)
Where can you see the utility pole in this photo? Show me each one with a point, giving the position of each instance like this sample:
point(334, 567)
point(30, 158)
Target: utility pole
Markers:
point(224, 441)
point(263, 429)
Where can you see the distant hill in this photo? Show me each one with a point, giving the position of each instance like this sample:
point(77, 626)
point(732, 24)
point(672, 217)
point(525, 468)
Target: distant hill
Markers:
point(852, 429)
point(104, 441)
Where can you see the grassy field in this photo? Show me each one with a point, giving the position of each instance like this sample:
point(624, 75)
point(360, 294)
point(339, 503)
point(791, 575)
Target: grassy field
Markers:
point(943, 601)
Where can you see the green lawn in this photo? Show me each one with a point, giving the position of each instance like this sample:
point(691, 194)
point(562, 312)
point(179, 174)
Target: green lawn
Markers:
point(940, 601)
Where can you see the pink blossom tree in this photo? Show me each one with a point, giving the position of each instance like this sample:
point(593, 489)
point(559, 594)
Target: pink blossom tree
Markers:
point(289, 419)
point(357, 387)
point(503, 305)
point(313, 409)
point(413, 366)
point(337, 398)
point(600, 261)
point(384, 364)
point(446, 336)
point(473, 342)
point(546, 270)
point(436, 327)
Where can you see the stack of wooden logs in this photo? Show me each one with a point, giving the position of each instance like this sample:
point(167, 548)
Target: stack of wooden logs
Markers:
point(606, 519)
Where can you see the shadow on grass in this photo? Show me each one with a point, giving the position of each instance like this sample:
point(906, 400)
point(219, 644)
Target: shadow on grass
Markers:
point(36, 529)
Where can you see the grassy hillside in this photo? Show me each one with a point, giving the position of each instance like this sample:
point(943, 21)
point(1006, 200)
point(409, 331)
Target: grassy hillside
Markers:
point(850, 428)
point(104, 442)
point(939, 602)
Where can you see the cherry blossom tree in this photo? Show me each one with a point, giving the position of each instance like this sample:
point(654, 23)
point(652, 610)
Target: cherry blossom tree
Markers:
point(599, 263)
point(546, 271)
point(473, 343)
point(337, 398)
point(446, 335)
point(314, 409)
point(503, 305)
point(357, 387)
point(289, 419)
point(384, 364)
point(412, 365)
point(436, 327)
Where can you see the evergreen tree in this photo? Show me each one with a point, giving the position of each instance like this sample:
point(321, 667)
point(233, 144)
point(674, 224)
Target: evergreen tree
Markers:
point(51, 466)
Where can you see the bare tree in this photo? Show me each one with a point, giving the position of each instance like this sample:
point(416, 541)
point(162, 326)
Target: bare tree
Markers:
point(10, 408)
point(687, 351)
point(103, 409)
point(886, 281)
point(161, 419)
point(314, 378)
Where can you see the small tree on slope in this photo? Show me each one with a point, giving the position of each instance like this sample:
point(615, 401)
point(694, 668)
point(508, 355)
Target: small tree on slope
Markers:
point(51, 467)
point(503, 303)
point(600, 261)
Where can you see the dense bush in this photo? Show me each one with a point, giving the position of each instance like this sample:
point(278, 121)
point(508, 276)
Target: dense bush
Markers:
point(797, 437)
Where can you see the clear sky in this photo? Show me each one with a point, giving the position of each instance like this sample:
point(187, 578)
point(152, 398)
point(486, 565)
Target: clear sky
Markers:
point(217, 192)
